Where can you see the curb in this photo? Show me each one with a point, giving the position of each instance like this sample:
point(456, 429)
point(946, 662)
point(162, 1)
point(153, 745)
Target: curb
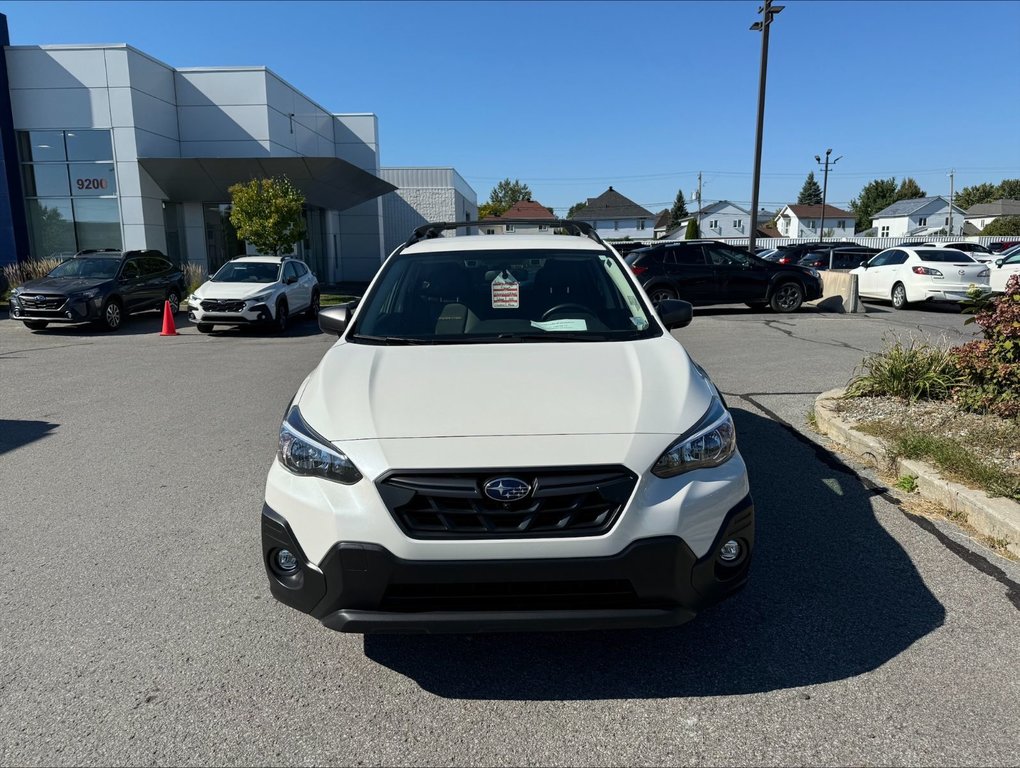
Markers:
point(991, 516)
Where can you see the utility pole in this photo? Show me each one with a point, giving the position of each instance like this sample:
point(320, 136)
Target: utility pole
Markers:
point(767, 11)
point(952, 173)
point(699, 203)
point(825, 192)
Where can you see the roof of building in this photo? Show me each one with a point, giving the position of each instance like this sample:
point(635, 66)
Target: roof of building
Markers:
point(662, 220)
point(815, 212)
point(523, 209)
point(768, 230)
point(611, 205)
point(995, 208)
point(719, 205)
point(906, 207)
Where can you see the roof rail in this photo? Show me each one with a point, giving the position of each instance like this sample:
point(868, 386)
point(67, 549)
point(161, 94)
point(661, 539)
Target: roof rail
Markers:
point(435, 229)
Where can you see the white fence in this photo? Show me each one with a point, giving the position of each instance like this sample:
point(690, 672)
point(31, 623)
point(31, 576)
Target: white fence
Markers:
point(871, 242)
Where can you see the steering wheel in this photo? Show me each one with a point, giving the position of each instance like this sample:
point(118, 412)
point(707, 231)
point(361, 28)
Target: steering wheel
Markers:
point(564, 307)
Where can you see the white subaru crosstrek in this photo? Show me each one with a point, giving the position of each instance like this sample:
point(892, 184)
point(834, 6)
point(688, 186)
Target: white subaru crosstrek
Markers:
point(506, 436)
point(250, 290)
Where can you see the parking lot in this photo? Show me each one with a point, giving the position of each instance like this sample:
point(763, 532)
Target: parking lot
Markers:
point(138, 626)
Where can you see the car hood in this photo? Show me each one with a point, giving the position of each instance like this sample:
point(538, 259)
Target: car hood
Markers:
point(363, 391)
point(211, 290)
point(62, 285)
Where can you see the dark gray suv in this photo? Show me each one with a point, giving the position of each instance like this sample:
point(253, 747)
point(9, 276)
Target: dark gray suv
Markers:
point(99, 286)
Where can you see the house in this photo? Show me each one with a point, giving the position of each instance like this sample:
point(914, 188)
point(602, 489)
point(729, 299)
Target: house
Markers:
point(616, 217)
point(662, 223)
point(808, 221)
point(721, 219)
point(524, 209)
point(981, 215)
point(918, 216)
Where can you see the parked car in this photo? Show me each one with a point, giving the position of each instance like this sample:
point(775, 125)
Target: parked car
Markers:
point(708, 272)
point(265, 290)
point(791, 254)
point(101, 286)
point(975, 250)
point(1002, 245)
point(907, 275)
point(1004, 268)
point(451, 463)
point(840, 258)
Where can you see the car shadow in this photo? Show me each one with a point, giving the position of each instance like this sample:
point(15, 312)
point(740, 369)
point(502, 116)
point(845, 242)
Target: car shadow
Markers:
point(722, 311)
point(831, 595)
point(943, 307)
point(148, 323)
point(14, 433)
point(296, 327)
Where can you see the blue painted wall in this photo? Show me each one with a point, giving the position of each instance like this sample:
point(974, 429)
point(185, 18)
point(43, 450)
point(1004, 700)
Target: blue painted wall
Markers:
point(13, 223)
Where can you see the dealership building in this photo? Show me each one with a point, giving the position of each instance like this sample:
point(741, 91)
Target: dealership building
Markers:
point(106, 147)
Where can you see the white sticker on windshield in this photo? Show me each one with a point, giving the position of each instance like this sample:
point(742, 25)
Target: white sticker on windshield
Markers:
point(506, 291)
point(639, 322)
point(566, 324)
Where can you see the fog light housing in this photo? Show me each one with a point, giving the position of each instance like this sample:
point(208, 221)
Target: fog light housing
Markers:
point(731, 551)
point(285, 561)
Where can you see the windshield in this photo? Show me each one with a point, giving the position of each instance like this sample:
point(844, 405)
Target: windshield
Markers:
point(488, 296)
point(247, 272)
point(945, 255)
point(96, 269)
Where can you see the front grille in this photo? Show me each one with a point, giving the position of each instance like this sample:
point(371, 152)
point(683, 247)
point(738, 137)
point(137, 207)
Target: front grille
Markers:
point(510, 596)
point(29, 301)
point(222, 305)
point(562, 502)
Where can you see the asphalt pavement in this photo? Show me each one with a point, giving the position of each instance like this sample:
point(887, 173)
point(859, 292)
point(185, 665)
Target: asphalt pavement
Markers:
point(137, 625)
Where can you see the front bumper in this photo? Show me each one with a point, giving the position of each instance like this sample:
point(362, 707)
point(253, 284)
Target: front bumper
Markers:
point(70, 311)
point(250, 315)
point(656, 581)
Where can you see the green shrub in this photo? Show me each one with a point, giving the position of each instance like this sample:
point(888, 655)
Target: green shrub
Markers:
point(194, 276)
point(1004, 225)
point(913, 371)
point(693, 232)
point(991, 366)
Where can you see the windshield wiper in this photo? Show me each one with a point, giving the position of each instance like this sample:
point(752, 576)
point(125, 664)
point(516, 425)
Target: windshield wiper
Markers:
point(560, 336)
point(389, 340)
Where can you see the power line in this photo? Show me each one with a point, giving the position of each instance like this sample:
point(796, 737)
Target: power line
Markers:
point(772, 174)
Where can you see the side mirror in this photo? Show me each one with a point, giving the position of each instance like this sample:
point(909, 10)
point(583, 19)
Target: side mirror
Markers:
point(334, 319)
point(290, 280)
point(675, 313)
point(998, 262)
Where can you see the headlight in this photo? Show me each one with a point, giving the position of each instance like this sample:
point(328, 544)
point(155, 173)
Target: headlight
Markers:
point(708, 443)
point(16, 292)
point(194, 300)
point(305, 453)
point(814, 273)
point(260, 298)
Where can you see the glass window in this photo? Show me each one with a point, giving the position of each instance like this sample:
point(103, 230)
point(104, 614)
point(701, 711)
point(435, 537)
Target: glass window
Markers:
point(946, 255)
point(93, 179)
point(725, 257)
point(89, 267)
point(97, 223)
point(154, 266)
point(131, 270)
point(923, 221)
point(51, 224)
point(641, 224)
point(247, 272)
point(41, 146)
point(690, 256)
point(89, 145)
point(45, 180)
point(290, 271)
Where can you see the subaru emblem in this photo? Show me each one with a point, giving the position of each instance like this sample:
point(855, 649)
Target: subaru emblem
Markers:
point(963, 271)
point(43, 298)
point(506, 489)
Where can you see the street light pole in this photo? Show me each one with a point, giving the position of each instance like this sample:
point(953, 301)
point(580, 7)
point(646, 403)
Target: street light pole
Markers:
point(767, 11)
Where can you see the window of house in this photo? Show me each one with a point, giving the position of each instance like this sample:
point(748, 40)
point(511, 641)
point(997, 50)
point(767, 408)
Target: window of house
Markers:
point(736, 223)
point(616, 225)
point(884, 231)
point(510, 228)
point(811, 224)
point(947, 222)
point(490, 231)
point(713, 224)
point(841, 224)
point(641, 224)
point(922, 221)
point(543, 227)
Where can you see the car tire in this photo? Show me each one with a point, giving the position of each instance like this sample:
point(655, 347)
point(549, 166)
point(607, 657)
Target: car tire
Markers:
point(112, 316)
point(899, 296)
point(35, 325)
point(661, 293)
point(313, 308)
point(787, 297)
point(282, 316)
point(204, 327)
point(175, 300)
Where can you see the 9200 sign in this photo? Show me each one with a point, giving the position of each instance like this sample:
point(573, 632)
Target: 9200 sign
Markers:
point(91, 183)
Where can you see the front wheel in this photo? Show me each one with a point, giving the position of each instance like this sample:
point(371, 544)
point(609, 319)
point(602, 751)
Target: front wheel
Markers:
point(787, 298)
point(113, 315)
point(35, 325)
point(899, 297)
point(282, 315)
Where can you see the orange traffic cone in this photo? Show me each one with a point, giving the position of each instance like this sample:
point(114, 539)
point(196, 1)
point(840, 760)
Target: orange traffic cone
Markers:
point(169, 329)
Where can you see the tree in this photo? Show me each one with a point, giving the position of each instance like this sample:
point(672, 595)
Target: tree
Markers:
point(1009, 189)
point(487, 210)
point(810, 193)
point(574, 209)
point(693, 232)
point(875, 196)
point(909, 190)
point(506, 193)
point(975, 195)
point(679, 210)
point(268, 213)
point(1004, 225)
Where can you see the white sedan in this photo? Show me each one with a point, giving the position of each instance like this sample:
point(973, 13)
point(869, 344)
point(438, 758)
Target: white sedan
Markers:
point(907, 275)
point(1005, 268)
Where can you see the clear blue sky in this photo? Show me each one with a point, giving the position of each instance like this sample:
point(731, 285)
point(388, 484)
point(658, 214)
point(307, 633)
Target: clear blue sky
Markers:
point(572, 97)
